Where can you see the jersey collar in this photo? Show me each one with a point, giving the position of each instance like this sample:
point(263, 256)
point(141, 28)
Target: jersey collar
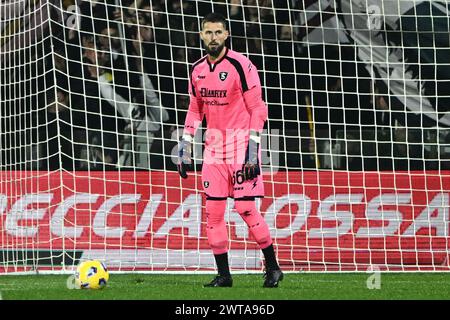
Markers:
point(213, 66)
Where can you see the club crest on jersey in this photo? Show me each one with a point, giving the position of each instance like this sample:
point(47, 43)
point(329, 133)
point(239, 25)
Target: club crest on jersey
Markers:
point(223, 75)
point(206, 184)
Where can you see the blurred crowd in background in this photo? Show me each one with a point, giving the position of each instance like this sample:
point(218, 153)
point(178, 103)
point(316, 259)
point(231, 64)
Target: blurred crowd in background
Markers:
point(120, 69)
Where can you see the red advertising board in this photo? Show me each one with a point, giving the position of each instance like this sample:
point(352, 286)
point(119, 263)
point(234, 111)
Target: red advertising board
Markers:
point(318, 220)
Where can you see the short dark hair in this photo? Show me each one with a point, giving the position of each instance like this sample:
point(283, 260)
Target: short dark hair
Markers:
point(215, 18)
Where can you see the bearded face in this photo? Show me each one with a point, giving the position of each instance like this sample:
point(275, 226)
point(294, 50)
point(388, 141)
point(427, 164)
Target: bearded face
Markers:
point(214, 36)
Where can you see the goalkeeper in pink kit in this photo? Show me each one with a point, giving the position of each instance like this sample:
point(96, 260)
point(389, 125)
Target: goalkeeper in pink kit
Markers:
point(224, 88)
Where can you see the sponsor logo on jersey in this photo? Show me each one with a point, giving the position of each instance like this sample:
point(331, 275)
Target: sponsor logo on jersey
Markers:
point(207, 93)
point(223, 75)
point(215, 103)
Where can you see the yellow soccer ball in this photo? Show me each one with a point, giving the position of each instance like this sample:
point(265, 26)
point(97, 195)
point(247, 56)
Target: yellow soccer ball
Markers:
point(91, 274)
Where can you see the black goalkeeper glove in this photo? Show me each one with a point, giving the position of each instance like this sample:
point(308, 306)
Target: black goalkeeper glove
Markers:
point(251, 167)
point(184, 157)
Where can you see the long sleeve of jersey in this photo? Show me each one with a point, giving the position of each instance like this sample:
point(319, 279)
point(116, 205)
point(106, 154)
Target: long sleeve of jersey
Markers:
point(194, 115)
point(252, 94)
point(256, 107)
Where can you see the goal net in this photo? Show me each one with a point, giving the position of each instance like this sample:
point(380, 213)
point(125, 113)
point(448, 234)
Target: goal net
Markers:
point(355, 153)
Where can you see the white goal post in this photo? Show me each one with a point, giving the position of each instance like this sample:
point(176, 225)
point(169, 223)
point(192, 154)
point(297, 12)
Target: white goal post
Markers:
point(356, 150)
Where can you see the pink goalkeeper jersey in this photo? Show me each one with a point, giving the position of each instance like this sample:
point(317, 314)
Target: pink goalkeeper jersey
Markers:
point(228, 94)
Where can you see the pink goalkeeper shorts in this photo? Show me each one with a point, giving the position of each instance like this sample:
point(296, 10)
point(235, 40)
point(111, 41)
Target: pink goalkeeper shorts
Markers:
point(223, 180)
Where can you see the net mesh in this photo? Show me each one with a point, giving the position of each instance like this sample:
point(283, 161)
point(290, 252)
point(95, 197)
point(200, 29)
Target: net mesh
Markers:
point(356, 150)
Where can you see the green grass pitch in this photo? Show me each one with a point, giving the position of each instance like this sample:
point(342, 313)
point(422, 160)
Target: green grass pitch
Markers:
point(295, 286)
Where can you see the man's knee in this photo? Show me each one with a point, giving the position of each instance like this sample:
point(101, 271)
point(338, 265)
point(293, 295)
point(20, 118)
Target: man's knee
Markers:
point(215, 212)
point(245, 208)
point(255, 222)
point(216, 229)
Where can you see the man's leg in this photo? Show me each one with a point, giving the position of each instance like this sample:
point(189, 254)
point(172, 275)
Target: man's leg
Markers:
point(215, 185)
point(260, 231)
point(216, 231)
